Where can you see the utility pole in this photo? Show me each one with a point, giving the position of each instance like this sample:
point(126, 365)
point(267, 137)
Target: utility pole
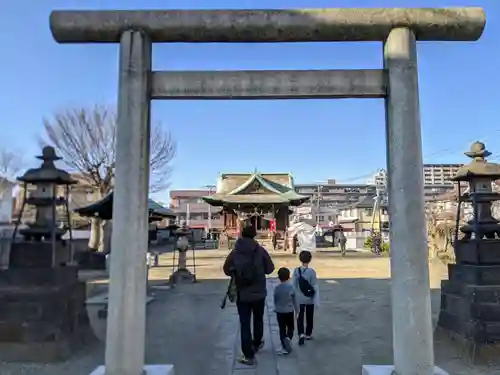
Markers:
point(210, 190)
point(377, 207)
point(318, 198)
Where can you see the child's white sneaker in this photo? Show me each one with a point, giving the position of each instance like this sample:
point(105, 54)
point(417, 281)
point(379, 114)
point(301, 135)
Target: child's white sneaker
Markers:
point(283, 351)
point(301, 340)
point(287, 345)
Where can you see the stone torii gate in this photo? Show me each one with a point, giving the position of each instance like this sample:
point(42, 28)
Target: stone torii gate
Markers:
point(397, 83)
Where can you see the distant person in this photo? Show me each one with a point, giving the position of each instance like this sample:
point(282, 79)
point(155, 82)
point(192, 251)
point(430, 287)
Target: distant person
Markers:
point(285, 306)
point(286, 239)
point(274, 240)
point(248, 264)
point(306, 290)
point(342, 243)
point(377, 243)
point(295, 244)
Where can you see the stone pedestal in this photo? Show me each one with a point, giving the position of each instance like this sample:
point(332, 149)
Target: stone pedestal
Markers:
point(470, 299)
point(148, 370)
point(389, 370)
point(32, 254)
point(42, 316)
point(182, 275)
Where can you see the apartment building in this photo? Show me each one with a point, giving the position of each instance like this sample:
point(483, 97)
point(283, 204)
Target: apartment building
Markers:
point(379, 178)
point(434, 174)
point(330, 199)
point(440, 174)
point(189, 206)
point(327, 199)
point(436, 179)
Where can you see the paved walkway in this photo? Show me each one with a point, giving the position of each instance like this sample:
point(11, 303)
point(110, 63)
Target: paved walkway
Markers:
point(187, 328)
point(268, 362)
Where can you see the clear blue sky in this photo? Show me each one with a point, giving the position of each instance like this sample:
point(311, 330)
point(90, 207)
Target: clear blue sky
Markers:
point(342, 139)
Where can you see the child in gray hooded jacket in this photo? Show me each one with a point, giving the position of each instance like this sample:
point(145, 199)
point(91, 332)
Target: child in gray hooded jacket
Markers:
point(285, 307)
point(306, 291)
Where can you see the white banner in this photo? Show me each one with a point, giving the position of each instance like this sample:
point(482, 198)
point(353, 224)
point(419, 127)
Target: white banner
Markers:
point(306, 235)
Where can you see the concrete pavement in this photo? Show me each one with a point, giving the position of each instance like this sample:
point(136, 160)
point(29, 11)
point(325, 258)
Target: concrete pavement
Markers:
point(187, 328)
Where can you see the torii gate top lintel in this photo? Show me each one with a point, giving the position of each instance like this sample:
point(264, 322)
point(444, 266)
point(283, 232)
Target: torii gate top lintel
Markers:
point(273, 25)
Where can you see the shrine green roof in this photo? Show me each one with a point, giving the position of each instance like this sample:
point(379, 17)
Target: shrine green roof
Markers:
point(274, 189)
point(103, 209)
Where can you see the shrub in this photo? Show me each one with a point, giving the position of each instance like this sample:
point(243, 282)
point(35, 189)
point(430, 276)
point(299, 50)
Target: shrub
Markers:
point(385, 247)
point(369, 245)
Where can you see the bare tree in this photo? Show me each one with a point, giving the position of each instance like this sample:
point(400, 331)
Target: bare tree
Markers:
point(11, 164)
point(86, 140)
point(495, 206)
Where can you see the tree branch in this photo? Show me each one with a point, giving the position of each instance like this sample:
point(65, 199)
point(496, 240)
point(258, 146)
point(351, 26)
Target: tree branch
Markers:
point(86, 139)
point(11, 164)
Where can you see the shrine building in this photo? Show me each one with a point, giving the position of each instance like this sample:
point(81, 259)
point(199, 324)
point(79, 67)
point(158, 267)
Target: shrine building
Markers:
point(255, 199)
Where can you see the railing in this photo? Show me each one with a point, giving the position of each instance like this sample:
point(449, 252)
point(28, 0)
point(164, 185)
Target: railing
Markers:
point(193, 207)
point(357, 234)
point(205, 222)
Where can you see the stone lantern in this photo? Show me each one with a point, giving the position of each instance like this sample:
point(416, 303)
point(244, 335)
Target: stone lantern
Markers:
point(43, 316)
point(470, 299)
point(183, 234)
point(43, 245)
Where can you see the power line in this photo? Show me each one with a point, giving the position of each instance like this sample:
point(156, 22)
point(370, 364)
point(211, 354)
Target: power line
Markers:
point(441, 153)
point(452, 150)
point(367, 175)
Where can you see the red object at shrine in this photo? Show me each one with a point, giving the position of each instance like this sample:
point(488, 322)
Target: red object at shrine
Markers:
point(272, 225)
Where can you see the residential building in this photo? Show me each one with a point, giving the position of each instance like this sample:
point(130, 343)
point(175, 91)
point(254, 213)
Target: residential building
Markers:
point(440, 174)
point(432, 191)
point(434, 174)
point(328, 198)
point(360, 216)
point(189, 206)
point(378, 179)
point(436, 179)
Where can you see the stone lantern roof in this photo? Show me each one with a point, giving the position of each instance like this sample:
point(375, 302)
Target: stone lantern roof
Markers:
point(478, 167)
point(47, 172)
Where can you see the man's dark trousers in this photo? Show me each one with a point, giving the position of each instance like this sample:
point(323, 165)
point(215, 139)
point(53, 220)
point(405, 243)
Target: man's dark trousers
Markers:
point(247, 310)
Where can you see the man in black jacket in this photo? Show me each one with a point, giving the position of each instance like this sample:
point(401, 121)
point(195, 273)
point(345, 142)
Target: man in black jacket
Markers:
point(248, 264)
